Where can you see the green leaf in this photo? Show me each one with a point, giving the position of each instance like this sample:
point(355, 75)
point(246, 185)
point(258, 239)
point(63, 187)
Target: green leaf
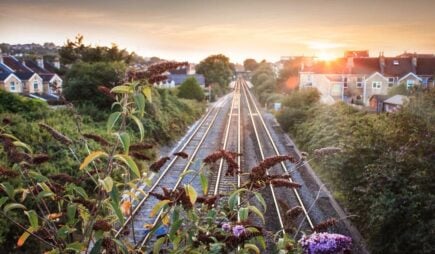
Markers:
point(124, 138)
point(243, 213)
point(182, 175)
point(126, 159)
point(44, 194)
point(80, 191)
point(139, 125)
point(159, 206)
point(3, 200)
point(204, 183)
point(113, 118)
point(75, 246)
point(115, 200)
point(260, 199)
point(158, 245)
point(122, 89)
point(146, 90)
point(139, 99)
point(107, 183)
point(33, 218)
point(121, 245)
point(9, 189)
point(96, 249)
point(257, 212)
point(174, 228)
point(232, 200)
point(24, 236)
point(251, 247)
point(191, 192)
point(71, 213)
point(91, 157)
point(12, 206)
point(25, 146)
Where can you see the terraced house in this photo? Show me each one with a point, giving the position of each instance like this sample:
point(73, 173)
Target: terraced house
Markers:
point(357, 79)
point(29, 78)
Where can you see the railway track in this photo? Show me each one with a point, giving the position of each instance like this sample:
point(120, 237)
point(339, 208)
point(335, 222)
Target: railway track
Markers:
point(259, 126)
point(139, 217)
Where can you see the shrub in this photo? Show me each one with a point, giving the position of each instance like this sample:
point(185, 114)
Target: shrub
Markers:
point(190, 89)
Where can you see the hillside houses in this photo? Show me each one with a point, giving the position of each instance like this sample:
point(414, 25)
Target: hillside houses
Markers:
point(179, 75)
point(356, 78)
point(34, 79)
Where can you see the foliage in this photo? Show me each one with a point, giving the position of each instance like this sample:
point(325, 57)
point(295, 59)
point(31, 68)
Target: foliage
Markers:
point(216, 69)
point(264, 82)
point(83, 80)
point(289, 72)
point(15, 103)
point(250, 64)
point(384, 174)
point(190, 89)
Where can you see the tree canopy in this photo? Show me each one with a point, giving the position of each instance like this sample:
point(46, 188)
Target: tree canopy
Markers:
point(216, 69)
point(250, 64)
point(190, 89)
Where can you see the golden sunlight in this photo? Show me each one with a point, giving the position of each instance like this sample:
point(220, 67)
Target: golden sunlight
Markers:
point(326, 56)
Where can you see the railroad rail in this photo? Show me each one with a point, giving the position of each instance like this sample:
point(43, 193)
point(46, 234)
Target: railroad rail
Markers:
point(254, 112)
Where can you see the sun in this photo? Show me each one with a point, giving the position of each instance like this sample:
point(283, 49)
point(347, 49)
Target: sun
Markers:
point(326, 56)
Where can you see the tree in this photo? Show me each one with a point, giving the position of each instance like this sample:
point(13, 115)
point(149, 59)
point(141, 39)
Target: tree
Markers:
point(250, 64)
point(190, 89)
point(216, 69)
point(83, 79)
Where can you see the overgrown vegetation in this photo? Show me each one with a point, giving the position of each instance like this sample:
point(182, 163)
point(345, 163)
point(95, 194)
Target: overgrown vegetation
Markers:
point(190, 89)
point(384, 176)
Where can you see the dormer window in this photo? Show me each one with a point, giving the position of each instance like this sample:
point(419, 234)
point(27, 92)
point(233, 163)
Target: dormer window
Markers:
point(396, 62)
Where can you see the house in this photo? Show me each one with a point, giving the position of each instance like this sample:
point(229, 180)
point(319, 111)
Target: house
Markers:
point(394, 103)
point(29, 78)
point(179, 75)
point(357, 79)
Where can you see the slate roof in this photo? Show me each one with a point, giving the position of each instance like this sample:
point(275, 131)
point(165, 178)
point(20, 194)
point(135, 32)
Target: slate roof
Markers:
point(365, 65)
point(4, 72)
point(397, 67)
point(45, 74)
point(179, 78)
point(21, 71)
point(426, 66)
point(50, 67)
point(397, 100)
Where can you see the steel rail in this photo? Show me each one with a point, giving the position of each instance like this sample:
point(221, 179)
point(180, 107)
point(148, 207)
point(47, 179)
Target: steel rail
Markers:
point(283, 166)
point(156, 184)
point(147, 236)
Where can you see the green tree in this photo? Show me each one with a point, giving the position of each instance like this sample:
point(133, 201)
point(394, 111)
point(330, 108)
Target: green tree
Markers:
point(250, 64)
point(190, 89)
point(216, 69)
point(83, 79)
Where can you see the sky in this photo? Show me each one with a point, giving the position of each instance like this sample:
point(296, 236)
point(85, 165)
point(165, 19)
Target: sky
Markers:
point(193, 29)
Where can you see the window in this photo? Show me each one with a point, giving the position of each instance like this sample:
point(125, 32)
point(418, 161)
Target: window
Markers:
point(359, 82)
point(345, 82)
point(12, 86)
point(376, 84)
point(390, 82)
point(396, 62)
point(35, 85)
point(410, 83)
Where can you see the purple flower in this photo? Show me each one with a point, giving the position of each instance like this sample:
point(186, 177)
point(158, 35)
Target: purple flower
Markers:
point(238, 230)
point(226, 227)
point(325, 243)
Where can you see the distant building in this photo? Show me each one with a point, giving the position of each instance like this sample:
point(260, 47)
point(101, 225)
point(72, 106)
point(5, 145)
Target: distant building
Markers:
point(29, 78)
point(179, 75)
point(394, 103)
point(357, 79)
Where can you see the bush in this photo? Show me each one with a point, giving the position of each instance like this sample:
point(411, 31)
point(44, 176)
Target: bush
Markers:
point(190, 89)
point(13, 103)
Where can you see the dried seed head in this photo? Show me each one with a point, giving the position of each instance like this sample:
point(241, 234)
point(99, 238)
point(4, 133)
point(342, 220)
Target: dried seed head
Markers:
point(139, 156)
point(63, 178)
point(6, 121)
point(102, 225)
point(323, 226)
point(294, 212)
point(40, 158)
point(182, 155)
point(56, 134)
point(136, 147)
point(284, 183)
point(156, 166)
point(7, 173)
point(97, 139)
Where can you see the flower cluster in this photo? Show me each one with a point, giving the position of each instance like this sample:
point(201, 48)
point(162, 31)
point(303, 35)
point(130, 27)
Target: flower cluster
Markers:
point(156, 166)
point(325, 243)
point(259, 171)
point(229, 158)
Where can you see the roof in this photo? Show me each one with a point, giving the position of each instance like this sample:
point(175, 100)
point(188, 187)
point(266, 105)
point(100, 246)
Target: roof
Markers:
point(356, 53)
point(337, 66)
point(4, 72)
point(366, 65)
point(179, 78)
point(45, 74)
point(426, 66)
point(50, 67)
point(397, 67)
point(397, 100)
point(20, 70)
point(378, 97)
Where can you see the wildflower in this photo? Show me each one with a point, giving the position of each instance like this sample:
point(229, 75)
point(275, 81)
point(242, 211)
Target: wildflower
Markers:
point(238, 230)
point(284, 183)
point(102, 225)
point(325, 243)
point(7, 173)
point(156, 166)
point(40, 158)
point(327, 151)
point(97, 139)
point(139, 156)
point(182, 155)
point(226, 227)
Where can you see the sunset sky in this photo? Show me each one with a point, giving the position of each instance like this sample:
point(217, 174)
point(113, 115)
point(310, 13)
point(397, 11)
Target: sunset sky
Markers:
point(193, 29)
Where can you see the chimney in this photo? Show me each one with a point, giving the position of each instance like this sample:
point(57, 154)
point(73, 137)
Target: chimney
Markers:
point(1, 56)
point(40, 62)
point(350, 64)
point(56, 62)
point(382, 62)
point(414, 63)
